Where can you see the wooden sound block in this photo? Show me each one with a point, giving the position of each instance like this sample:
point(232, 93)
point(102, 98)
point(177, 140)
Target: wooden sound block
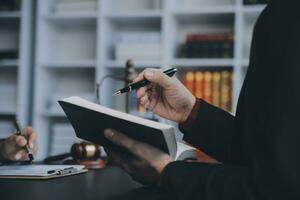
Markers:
point(89, 164)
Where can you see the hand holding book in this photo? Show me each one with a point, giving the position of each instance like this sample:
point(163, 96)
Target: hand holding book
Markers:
point(149, 160)
point(166, 96)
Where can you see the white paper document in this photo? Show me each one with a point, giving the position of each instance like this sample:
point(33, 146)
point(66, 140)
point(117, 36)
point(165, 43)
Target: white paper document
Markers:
point(39, 171)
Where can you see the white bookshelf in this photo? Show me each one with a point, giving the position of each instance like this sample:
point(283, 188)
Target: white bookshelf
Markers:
point(16, 33)
point(75, 50)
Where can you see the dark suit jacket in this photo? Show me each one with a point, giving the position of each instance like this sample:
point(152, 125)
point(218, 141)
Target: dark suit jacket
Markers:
point(259, 147)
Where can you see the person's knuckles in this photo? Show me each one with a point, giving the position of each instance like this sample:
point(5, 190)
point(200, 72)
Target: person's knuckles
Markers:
point(20, 141)
point(140, 76)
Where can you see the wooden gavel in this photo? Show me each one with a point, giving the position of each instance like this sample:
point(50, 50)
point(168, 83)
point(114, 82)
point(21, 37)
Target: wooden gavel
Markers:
point(85, 151)
point(79, 152)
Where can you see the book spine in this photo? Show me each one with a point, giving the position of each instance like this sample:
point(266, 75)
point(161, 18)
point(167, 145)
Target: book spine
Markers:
point(189, 81)
point(199, 77)
point(213, 45)
point(216, 88)
point(226, 90)
point(207, 86)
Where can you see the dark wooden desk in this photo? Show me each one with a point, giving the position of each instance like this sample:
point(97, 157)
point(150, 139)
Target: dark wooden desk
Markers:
point(108, 183)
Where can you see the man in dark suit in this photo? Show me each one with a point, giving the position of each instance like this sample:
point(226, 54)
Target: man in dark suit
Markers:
point(12, 148)
point(258, 147)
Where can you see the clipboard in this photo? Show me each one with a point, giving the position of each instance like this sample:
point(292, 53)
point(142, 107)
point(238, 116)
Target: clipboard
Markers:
point(40, 172)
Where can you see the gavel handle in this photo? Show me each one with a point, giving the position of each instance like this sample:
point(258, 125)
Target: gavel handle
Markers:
point(57, 157)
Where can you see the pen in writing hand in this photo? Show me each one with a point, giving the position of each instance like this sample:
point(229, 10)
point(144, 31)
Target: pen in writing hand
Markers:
point(142, 83)
point(27, 147)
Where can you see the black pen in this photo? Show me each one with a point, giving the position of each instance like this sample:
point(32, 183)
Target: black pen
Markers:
point(142, 83)
point(27, 147)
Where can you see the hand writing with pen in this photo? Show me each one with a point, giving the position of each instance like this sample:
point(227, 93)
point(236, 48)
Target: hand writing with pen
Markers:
point(13, 148)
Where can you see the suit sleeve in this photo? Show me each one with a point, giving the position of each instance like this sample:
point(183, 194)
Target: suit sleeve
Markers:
point(271, 169)
point(187, 180)
point(210, 130)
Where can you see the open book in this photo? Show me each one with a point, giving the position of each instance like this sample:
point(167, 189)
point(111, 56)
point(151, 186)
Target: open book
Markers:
point(39, 171)
point(89, 121)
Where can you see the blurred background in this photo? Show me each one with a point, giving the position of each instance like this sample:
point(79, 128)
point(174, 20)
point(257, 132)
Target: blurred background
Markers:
point(51, 49)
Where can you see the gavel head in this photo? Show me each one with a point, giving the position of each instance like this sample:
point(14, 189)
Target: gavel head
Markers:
point(85, 151)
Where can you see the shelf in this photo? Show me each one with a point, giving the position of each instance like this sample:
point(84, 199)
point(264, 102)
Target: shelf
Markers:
point(10, 14)
point(137, 64)
point(66, 19)
point(133, 21)
point(71, 64)
point(253, 9)
point(9, 63)
point(185, 62)
point(90, 15)
point(206, 10)
point(8, 113)
point(134, 14)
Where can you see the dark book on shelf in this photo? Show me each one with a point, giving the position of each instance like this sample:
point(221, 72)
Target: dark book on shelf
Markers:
point(10, 5)
point(211, 45)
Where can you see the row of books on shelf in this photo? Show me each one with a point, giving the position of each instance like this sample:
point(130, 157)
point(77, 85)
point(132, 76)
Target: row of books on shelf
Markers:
point(10, 5)
point(215, 87)
point(249, 2)
point(207, 45)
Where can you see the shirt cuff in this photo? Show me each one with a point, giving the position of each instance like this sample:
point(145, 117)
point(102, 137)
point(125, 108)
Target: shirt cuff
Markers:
point(192, 117)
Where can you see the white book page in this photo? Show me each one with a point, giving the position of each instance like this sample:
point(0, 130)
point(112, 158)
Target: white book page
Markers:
point(185, 151)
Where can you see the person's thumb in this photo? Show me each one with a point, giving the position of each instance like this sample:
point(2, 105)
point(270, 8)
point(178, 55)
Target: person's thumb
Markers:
point(158, 77)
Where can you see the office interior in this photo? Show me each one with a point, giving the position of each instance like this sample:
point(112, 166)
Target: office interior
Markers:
point(52, 49)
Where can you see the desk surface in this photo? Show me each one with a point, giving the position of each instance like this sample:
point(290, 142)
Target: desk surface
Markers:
point(99, 184)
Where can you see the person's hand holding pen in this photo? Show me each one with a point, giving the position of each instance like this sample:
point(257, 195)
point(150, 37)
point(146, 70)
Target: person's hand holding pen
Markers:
point(165, 96)
point(13, 148)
